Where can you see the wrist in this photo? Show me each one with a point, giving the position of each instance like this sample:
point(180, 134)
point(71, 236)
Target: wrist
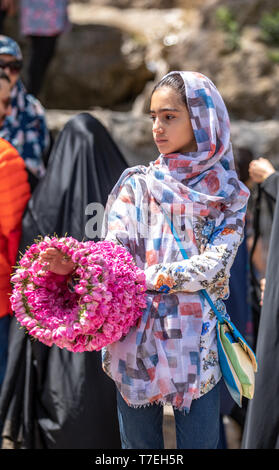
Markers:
point(268, 173)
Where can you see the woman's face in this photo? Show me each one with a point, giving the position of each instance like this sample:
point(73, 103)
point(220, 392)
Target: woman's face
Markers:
point(172, 128)
point(10, 71)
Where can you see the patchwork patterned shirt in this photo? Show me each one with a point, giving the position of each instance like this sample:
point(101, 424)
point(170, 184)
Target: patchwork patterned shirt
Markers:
point(171, 355)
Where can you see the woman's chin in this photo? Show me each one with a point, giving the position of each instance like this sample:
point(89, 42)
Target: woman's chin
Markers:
point(164, 149)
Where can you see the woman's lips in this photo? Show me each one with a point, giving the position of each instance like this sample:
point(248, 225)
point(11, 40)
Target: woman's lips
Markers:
point(160, 141)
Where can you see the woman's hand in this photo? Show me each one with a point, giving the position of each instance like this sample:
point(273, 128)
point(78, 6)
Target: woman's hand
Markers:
point(58, 263)
point(260, 169)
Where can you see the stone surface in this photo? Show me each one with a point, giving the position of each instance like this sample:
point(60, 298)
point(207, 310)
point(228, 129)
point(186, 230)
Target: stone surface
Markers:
point(245, 11)
point(146, 4)
point(113, 56)
point(262, 138)
point(247, 79)
point(95, 65)
point(116, 50)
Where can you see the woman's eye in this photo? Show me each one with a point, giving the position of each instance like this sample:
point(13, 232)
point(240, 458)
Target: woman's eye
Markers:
point(169, 117)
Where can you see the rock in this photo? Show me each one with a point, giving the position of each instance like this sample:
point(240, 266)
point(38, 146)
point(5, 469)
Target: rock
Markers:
point(262, 138)
point(95, 65)
point(118, 52)
point(144, 4)
point(118, 49)
point(138, 3)
point(146, 25)
point(247, 79)
point(246, 12)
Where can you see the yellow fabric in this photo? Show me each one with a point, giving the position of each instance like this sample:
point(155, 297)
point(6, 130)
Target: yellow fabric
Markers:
point(241, 362)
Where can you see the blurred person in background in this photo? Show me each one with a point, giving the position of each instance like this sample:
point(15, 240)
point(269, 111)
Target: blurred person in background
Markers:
point(262, 423)
point(14, 195)
point(239, 302)
point(43, 21)
point(7, 8)
point(25, 127)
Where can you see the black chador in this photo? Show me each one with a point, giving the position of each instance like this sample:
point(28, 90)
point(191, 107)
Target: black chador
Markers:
point(262, 421)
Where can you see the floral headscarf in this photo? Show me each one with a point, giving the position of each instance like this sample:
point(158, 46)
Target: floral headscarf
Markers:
point(205, 179)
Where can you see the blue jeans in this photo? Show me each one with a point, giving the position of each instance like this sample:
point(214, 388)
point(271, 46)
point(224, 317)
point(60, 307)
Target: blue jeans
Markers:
point(142, 428)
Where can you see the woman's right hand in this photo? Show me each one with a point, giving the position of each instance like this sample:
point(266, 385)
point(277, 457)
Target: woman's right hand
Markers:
point(57, 262)
point(260, 169)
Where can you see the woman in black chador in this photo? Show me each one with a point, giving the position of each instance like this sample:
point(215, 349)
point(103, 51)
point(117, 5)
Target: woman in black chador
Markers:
point(52, 398)
point(262, 422)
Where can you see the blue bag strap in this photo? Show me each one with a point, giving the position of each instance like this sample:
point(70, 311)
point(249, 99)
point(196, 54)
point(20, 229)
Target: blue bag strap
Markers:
point(185, 256)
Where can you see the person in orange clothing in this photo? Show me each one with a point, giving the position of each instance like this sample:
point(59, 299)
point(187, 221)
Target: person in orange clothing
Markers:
point(14, 195)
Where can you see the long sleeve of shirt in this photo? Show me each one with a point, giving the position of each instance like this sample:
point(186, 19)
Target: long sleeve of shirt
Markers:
point(208, 270)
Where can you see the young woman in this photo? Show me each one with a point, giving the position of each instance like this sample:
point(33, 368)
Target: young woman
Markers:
point(171, 355)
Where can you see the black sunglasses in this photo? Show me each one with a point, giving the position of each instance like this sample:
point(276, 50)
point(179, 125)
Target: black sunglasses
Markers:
point(14, 65)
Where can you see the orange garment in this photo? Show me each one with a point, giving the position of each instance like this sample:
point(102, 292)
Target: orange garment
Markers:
point(14, 195)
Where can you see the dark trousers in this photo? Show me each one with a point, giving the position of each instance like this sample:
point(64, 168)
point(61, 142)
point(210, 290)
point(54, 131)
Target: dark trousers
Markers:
point(42, 51)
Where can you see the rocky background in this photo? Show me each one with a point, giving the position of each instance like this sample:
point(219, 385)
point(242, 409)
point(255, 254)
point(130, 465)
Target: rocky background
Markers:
point(115, 50)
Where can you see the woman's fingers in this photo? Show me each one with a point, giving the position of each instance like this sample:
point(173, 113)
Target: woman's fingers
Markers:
point(51, 253)
point(50, 257)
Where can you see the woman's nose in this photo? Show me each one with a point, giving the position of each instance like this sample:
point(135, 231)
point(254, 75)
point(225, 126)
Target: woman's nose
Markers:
point(157, 126)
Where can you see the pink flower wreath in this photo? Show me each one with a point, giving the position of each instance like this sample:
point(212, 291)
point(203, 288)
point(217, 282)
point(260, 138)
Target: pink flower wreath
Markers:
point(102, 302)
